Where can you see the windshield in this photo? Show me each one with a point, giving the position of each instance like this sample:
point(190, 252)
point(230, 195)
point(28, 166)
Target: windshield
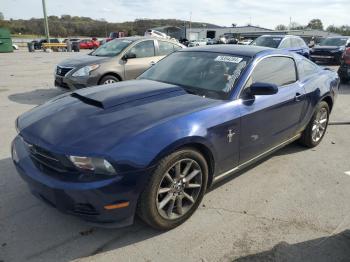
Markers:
point(201, 73)
point(333, 42)
point(112, 48)
point(267, 41)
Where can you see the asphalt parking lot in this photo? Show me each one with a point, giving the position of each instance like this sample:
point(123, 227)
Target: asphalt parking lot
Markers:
point(293, 206)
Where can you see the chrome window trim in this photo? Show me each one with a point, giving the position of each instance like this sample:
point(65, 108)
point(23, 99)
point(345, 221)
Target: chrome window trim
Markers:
point(258, 61)
point(239, 167)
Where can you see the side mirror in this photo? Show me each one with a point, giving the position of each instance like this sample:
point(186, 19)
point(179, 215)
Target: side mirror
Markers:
point(129, 56)
point(262, 89)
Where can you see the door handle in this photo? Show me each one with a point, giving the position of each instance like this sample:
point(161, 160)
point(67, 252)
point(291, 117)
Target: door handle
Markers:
point(298, 97)
point(152, 63)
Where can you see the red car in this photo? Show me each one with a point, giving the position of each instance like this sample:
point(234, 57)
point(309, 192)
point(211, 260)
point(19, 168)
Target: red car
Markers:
point(344, 69)
point(89, 43)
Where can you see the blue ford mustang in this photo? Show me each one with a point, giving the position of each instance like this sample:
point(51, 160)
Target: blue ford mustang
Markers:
point(152, 146)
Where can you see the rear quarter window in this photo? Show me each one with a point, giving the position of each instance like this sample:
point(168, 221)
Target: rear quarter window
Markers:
point(306, 69)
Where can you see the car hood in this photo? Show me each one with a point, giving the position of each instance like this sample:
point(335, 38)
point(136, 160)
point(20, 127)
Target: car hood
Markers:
point(327, 48)
point(83, 60)
point(96, 119)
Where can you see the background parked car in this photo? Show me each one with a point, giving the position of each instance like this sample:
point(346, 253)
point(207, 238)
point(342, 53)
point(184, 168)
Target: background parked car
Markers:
point(184, 41)
point(287, 42)
point(199, 42)
point(155, 33)
point(117, 60)
point(344, 69)
point(89, 43)
point(245, 42)
point(114, 35)
point(38, 43)
point(330, 49)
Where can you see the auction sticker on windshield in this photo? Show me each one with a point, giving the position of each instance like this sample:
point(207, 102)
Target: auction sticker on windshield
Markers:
point(229, 59)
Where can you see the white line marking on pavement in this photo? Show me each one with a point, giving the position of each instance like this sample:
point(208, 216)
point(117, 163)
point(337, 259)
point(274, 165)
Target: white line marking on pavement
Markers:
point(347, 173)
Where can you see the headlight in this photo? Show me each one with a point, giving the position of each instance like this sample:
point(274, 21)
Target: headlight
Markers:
point(93, 164)
point(85, 71)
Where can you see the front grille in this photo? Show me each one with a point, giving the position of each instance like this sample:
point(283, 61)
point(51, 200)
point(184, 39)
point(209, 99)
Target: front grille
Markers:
point(85, 209)
point(322, 53)
point(62, 71)
point(49, 163)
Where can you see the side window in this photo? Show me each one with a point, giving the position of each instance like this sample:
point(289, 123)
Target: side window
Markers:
point(302, 43)
point(295, 42)
point(165, 48)
point(286, 43)
point(306, 68)
point(275, 70)
point(143, 49)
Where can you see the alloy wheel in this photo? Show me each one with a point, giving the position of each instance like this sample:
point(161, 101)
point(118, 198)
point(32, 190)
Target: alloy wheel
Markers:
point(109, 81)
point(179, 189)
point(319, 125)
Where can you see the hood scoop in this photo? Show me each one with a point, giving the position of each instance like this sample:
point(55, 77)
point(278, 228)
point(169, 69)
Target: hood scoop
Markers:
point(108, 96)
point(87, 100)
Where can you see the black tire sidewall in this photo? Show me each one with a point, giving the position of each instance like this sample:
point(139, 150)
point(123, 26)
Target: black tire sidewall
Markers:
point(147, 208)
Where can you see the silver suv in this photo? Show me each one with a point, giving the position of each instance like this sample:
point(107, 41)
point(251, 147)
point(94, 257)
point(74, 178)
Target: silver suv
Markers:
point(117, 60)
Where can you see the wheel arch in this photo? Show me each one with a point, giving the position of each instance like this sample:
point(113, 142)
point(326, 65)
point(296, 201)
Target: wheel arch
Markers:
point(328, 99)
point(111, 74)
point(197, 143)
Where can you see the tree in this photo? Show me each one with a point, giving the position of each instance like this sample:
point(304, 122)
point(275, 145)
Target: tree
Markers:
point(295, 26)
point(2, 16)
point(315, 24)
point(281, 27)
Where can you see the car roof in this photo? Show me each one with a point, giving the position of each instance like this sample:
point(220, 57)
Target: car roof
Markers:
point(137, 38)
point(338, 36)
point(242, 50)
point(283, 36)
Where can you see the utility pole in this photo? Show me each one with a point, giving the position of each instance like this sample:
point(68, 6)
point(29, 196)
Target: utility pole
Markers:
point(290, 23)
point(189, 36)
point(47, 33)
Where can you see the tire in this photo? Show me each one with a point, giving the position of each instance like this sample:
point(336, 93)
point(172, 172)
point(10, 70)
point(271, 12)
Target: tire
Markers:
point(308, 138)
point(151, 208)
point(343, 80)
point(108, 79)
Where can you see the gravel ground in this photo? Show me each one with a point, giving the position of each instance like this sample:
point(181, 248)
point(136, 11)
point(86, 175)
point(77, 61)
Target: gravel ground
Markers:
point(294, 206)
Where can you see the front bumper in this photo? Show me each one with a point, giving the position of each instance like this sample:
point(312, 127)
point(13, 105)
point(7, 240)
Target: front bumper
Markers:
point(73, 83)
point(325, 57)
point(86, 200)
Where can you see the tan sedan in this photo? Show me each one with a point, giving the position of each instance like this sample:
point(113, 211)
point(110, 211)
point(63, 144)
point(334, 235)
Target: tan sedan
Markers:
point(117, 60)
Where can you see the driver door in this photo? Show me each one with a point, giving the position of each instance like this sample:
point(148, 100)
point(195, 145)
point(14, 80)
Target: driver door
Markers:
point(269, 120)
point(141, 57)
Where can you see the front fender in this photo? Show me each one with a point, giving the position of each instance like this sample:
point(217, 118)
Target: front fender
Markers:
point(195, 141)
point(146, 148)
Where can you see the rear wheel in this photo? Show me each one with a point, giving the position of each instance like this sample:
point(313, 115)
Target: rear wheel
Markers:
point(175, 190)
point(317, 126)
point(108, 79)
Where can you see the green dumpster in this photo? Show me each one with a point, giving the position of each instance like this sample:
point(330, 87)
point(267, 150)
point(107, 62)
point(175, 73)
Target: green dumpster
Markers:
point(5, 41)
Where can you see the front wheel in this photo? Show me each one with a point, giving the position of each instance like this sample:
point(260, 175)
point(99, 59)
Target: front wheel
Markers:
point(175, 190)
point(317, 126)
point(108, 79)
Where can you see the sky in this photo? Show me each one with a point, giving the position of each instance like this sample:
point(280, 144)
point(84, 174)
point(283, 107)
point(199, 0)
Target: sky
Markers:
point(220, 12)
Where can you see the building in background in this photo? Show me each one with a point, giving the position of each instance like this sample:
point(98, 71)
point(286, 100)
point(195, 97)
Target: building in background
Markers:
point(238, 32)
